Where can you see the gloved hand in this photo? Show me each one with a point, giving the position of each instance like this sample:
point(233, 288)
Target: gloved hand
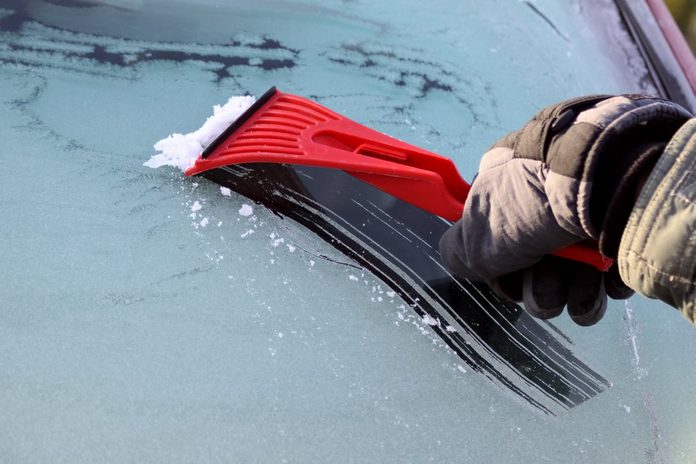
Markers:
point(571, 174)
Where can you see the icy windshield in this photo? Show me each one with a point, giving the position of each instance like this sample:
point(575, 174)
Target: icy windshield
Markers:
point(148, 317)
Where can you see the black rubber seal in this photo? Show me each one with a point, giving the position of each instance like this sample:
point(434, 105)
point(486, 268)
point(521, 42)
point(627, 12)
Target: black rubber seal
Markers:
point(238, 122)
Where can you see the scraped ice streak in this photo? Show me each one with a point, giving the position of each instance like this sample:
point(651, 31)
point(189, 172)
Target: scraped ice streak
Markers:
point(181, 150)
point(639, 374)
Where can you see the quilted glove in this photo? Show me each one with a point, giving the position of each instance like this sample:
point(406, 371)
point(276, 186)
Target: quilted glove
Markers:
point(570, 174)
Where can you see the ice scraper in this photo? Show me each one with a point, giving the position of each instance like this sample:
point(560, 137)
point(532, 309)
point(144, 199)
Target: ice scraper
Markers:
point(288, 129)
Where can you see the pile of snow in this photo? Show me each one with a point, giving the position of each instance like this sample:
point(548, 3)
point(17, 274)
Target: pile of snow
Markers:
point(181, 150)
point(246, 210)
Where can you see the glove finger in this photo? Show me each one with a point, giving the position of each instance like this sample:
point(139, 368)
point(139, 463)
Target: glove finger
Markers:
point(544, 288)
point(508, 286)
point(587, 298)
point(615, 286)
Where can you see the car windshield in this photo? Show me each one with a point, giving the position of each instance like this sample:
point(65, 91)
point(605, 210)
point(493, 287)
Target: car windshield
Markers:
point(149, 317)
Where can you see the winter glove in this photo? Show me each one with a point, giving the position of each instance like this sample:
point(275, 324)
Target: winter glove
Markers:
point(571, 174)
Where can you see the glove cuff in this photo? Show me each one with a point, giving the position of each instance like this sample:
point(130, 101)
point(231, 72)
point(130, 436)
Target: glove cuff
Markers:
point(612, 202)
point(605, 150)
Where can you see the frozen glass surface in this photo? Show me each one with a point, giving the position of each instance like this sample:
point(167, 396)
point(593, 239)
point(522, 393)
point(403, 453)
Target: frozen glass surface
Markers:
point(151, 318)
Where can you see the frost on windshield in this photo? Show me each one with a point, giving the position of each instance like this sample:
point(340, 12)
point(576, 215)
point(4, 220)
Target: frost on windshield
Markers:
point(294, 314)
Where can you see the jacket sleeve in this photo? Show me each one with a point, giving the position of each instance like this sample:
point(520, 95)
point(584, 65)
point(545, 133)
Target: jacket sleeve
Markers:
point(657, 252)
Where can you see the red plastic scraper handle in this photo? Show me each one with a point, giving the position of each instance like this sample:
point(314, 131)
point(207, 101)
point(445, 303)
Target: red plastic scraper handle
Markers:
point(287, 129)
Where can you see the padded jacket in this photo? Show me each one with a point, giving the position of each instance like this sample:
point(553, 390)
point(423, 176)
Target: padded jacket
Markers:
point(657, 252)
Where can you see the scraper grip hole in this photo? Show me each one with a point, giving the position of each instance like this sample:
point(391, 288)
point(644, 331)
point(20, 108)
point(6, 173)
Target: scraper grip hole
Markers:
point(358, 145)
